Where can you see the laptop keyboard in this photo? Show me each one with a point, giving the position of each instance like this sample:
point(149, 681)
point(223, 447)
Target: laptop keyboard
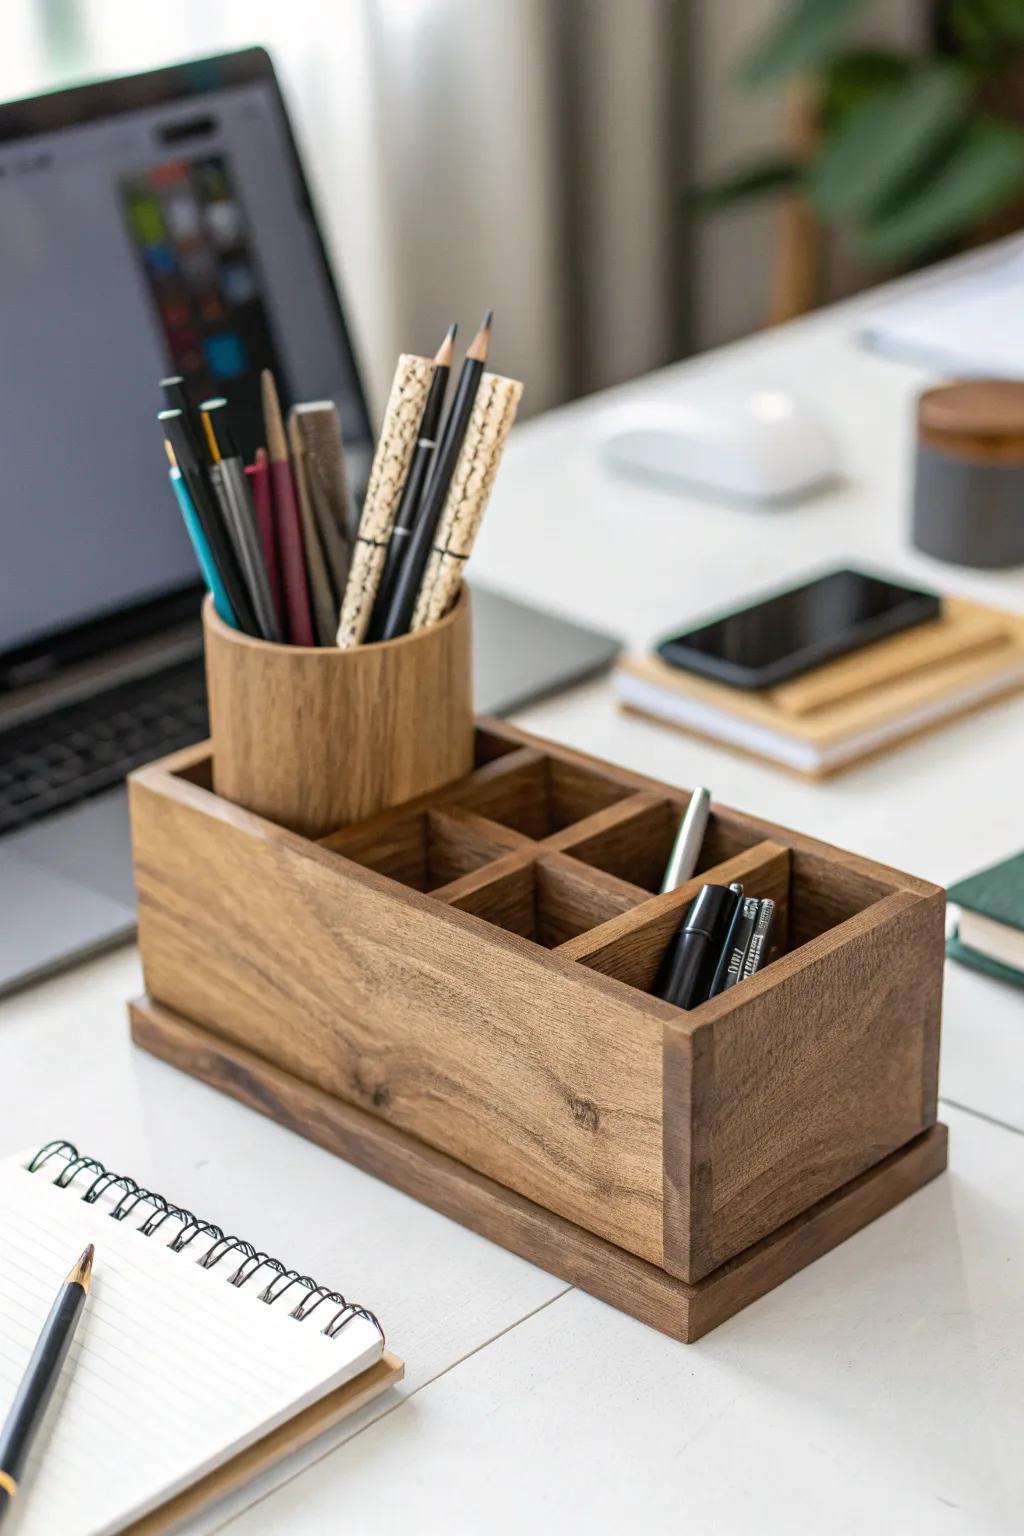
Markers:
point(51, 763)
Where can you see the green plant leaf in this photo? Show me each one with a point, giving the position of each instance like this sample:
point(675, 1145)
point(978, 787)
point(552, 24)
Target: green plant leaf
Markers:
point(854, 78)
point(983, 172)
point(801, 41)
point(885, 141)
point(981, 26)
point(749, 181)
point(1007, 18)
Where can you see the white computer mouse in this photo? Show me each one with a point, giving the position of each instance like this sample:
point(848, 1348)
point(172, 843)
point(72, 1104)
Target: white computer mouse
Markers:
point(753, 444)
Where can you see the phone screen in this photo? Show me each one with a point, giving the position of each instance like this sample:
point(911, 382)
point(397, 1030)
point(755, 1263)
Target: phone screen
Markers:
point(793, 631)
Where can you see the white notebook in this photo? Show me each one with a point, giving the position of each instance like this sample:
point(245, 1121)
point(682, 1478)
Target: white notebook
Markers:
point(965, 322)
point(192, 1346)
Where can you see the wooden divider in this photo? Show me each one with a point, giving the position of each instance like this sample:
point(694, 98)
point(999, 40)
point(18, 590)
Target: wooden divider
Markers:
point(571, 858)
point(634, 839)
point(631, 947)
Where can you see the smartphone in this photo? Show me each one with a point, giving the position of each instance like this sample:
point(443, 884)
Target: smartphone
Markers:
point(790, 632)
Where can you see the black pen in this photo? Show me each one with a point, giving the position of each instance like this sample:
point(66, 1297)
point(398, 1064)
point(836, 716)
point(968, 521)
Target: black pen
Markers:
point(757, 950)
point(40, 1378)
point(734, 950)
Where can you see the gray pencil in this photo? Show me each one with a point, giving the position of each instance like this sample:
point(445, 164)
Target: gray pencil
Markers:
point(227, 475)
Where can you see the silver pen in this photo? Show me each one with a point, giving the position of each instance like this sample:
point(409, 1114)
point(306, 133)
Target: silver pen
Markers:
point(682, 861)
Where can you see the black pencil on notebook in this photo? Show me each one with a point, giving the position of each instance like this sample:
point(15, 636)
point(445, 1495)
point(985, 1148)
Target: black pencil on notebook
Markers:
point(410, 574)
point(415, 480)
point(40, 1378)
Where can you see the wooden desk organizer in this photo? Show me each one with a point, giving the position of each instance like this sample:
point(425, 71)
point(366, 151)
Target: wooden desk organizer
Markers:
point(455, 995)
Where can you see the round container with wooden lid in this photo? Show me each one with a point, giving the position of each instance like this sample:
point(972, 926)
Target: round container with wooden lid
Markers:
point(315, 739)
point(969, 478)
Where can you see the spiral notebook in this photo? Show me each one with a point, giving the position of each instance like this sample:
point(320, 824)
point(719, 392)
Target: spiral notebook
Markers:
point(198, 1361)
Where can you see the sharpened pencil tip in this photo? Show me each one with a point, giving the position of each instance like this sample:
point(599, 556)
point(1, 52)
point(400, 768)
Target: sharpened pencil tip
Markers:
point(273, 423)
point(446, 351)
point(82, 1272)
point(477, 348)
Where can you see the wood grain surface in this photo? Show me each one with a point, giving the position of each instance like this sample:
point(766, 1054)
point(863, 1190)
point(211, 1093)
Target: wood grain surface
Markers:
point(978, 418)
point(315, 739)
point(576, 1254)
point(463, 1033)
point(632, 945)
point(810, 1073)
point(507, 1019)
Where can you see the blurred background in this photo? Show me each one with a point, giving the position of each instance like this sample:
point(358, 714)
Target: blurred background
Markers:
point(627, 180)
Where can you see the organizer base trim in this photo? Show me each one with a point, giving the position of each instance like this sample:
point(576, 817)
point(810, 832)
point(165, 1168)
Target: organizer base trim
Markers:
point(685, 1312)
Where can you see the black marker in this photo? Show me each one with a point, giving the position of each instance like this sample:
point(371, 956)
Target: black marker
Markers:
point(689, 966)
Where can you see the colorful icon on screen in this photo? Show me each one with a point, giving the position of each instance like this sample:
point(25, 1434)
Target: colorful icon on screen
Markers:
point(225, 355)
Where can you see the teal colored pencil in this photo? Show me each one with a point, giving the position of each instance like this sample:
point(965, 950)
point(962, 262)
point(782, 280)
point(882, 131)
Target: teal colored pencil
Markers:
point(207, 565)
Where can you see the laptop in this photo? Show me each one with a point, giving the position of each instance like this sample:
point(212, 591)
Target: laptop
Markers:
point(153, 225)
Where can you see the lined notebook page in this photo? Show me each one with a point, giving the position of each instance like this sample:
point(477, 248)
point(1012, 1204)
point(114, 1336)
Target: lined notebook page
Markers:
point(172, 1370)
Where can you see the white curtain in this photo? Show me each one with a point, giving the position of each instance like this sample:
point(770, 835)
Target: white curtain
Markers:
point(463, 153)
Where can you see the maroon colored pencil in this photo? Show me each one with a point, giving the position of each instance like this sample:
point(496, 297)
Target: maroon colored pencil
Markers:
point(258, 475)
point(286, 518)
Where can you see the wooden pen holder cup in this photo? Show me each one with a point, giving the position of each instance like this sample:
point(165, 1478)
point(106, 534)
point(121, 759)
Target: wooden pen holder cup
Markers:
point(318, 738)
point(457, 995)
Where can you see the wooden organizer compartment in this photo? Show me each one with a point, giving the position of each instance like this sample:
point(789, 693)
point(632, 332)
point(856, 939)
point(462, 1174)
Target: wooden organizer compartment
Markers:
point(472, 971)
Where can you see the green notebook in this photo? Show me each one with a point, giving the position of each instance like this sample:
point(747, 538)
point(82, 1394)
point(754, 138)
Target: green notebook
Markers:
point(991, 933)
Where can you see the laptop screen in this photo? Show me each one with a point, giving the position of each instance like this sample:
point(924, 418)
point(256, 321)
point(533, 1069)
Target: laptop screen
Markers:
point(150, 226)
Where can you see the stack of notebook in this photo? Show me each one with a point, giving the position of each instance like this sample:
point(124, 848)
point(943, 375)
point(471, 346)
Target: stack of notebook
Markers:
point(990, 935)
point(849, 708)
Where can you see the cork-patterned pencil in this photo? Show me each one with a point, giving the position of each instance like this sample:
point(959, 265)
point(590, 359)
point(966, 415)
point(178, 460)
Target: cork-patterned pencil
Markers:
point(390, 467)
point(494, 411)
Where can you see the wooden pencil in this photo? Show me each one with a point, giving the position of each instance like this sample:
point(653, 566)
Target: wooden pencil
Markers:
point(319, 429)
point(286, 518)
point(324, 602)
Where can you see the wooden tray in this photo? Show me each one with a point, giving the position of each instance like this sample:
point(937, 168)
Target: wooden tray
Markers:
point(473, 970)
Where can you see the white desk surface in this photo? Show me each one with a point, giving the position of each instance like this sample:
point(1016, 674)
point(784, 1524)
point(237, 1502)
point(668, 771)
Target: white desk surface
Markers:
point(882, 1388)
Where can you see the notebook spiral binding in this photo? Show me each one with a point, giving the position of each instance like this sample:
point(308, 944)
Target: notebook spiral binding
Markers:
point(133, 1195)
